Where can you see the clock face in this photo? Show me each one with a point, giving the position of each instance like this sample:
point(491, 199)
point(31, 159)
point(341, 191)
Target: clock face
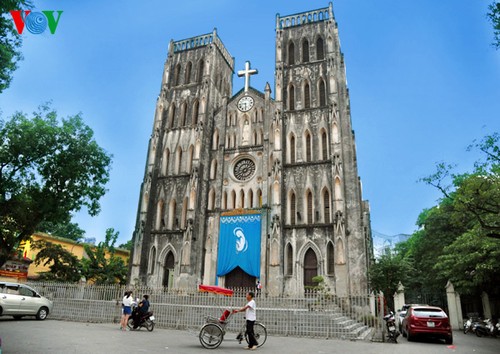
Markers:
point(244, 169)
point(245, 103)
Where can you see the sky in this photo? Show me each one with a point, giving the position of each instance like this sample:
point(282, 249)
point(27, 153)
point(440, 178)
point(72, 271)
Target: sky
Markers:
point(423, 78)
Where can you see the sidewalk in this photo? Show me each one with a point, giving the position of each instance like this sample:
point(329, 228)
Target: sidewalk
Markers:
point(51, 336)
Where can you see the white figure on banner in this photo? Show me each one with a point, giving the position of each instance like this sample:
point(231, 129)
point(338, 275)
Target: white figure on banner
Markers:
point(241, 241)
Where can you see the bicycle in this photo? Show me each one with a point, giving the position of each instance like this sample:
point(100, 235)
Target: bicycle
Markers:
point(213, 331)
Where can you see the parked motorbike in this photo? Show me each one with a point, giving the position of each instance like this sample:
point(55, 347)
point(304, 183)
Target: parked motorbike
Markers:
point(390, 324)
point(486, 328)
point(469, 325)
point(146, 320)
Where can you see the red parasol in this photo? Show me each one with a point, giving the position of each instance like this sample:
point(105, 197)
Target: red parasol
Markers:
point(215, 290)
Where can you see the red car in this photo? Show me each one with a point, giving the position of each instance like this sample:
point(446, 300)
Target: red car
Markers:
point(429, 321)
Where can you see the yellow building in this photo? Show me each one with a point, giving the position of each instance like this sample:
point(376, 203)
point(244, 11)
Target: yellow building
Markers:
point(72, 246)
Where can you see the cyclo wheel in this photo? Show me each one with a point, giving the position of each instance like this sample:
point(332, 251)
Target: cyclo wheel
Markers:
point(211, 335)
point(260, 332)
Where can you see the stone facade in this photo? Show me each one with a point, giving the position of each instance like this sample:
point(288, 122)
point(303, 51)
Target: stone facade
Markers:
point(291, 158)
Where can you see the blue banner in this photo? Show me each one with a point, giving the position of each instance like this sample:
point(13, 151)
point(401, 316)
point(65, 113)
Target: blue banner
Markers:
point(239, 244)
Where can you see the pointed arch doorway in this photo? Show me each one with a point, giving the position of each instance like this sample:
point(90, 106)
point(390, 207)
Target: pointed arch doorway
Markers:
point(238, 278)
point(310, 267)
point(168, 271)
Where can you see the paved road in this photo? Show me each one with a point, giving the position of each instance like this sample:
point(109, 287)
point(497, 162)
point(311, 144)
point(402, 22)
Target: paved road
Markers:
point(51, 336)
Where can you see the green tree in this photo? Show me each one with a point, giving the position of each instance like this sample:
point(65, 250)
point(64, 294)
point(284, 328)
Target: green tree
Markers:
point(127, 245)
point(494, 17)
point(63, 265)
point(103, 266)
point(471, 263)
point(67, 230)
point(47, 171)
point(474, 195)
point(386, 273)
point(10, 40)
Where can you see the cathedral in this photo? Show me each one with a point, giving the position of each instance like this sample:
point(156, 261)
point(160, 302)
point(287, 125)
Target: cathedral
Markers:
point(247, 187)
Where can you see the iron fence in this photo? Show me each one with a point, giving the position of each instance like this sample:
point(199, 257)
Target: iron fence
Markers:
point(315, 314)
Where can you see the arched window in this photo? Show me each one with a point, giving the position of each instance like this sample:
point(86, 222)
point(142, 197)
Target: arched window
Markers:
point(172, 215)
point(233, 199)
point(200, 71)
point(259, 198)
point(307, 96)
point(324, 146)
point(178, 161)
point(289, 259)
point(242, 199)
point(291, 53)
point(215, 140)
point(293, 209)
point(326, 206)
point(330, 259)
point(160, 216)
point(250, 199)
point(166, 156)
point(152, 260)
point(183, 114)
point(308, 147)
point(213, 169)
point(291, 98)
point(322, 93)
point(305, 51)
point(320, 49)
point(171, 116)
point(184, 213)
point(190, 159)
point(177, 75)
point(224, 200)
point(292, 149)
point(196, 109)
point(211, 199)
point(187, 73)
point(309, 199)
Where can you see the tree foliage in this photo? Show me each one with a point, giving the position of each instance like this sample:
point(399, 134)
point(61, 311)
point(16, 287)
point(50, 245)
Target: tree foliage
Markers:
point(63, 265)
point(103, 266)
point(64, 229)
point(48, 169)
point(10, 40)
point(459, 239)
point(386, 273)
point(494, 17)
point(127, 245)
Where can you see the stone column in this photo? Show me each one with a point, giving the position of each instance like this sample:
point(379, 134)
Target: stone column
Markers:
point(486, 305)
point(399, 297)
point(454, 307)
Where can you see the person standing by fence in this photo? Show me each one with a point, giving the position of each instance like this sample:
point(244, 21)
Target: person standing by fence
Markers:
point(259, 288)
point(127, 309)
point(251, 317)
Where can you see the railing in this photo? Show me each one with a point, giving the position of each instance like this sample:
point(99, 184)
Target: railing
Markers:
point(302, 18)
point(314, 315)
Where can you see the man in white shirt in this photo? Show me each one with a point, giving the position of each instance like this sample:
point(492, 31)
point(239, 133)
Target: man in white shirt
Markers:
point(250, 315)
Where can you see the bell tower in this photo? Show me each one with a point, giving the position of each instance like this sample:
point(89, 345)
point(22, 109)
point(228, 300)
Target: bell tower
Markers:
point(326, 224)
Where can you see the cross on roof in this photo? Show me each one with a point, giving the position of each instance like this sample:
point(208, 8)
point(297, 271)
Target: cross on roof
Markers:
point(246, 73)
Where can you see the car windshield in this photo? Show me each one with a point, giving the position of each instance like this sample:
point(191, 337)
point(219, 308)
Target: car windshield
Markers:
point(425, 312)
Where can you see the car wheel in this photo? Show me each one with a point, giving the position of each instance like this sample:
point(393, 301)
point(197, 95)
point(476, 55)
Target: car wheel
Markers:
point(449, 340)
point(403, 332)
point(42, 313)
point(409, 337)
point(17, 317)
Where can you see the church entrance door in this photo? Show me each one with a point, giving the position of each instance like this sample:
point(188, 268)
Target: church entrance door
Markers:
point(310, 267)
point(238, 278)
point(168, 273)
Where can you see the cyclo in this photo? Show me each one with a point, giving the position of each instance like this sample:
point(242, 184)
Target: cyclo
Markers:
point(213, 331)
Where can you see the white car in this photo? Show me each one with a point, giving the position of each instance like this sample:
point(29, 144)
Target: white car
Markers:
point(20, 300)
